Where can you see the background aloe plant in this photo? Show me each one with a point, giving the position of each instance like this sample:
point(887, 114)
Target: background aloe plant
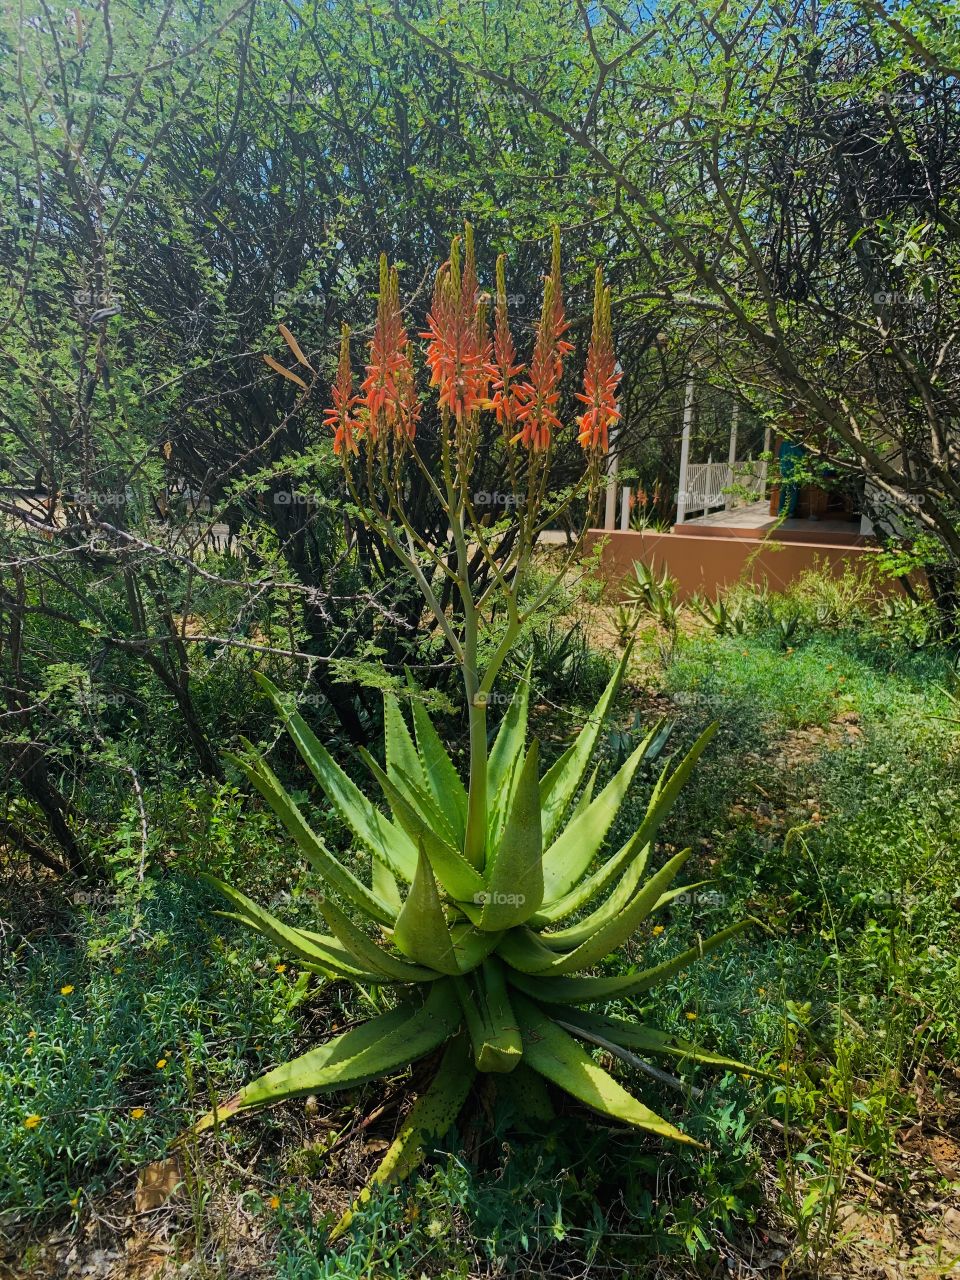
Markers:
point(491, 900)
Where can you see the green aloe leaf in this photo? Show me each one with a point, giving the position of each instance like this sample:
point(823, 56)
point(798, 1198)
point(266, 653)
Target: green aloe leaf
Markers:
point(574, 935)
point(661, 802)
point(262, 777)
point(562, 780)
point(372, 828)
point(421, 801)
point(471, 945)
point(565, 862)
point(454, 872)
point(428, 1119)
point(600, 990)
point(445, 783)
point(385, 1043)
point(421, 930)
point(324, 968)
point(634, 1035)
point(312, 948)
point(585, 796)
point(522, 949)
point(514, 888)
point(512, 734)
point(632, 855)
point(401, 753)
point(384, 884)
point(368, 953)
point(555, 1054)
point(613, 933)
point(491, 1020)
point(502, 799)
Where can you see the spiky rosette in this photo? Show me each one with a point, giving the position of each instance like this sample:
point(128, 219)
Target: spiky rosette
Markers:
point(484, 958)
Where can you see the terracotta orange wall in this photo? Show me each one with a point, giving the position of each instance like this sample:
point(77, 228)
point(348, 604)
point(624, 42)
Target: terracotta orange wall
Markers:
point(705, 564)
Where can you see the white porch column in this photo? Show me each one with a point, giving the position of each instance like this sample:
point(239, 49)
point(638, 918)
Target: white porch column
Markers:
point(731, 500)
point(613, 463)
point(685, 450)
point(625, 509)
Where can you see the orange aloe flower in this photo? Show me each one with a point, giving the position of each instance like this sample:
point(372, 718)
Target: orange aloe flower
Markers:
point(503, 369)
point(560, 326)
point(458, 350)
point(409, 402)
point(539, 396)
point(384, 388)
point(342, 419)
point(601, 377)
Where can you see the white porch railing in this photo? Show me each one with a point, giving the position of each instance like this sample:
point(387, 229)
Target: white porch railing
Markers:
point(703, 485)
point(717, 484)
point(706, 482)
point(709, 484)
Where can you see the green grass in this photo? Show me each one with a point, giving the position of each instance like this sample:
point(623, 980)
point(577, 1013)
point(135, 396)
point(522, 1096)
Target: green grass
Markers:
point(845, 992)
point(85, 1022)
point(752, 682)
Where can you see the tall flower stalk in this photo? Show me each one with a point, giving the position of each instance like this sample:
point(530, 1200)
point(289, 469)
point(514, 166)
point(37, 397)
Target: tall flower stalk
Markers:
point(471, 372)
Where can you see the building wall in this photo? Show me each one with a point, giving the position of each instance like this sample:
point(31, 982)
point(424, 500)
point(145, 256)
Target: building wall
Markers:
point(706, 564)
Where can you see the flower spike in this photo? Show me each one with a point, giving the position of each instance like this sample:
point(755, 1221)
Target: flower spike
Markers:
point(343, 419)
point(457, 351)
point(539, 396)
point(389, 370)
point(503, 369)
point(601, 377)
point(560, 325)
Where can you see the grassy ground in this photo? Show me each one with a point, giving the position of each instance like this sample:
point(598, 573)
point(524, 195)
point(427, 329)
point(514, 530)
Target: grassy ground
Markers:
point(827, 807)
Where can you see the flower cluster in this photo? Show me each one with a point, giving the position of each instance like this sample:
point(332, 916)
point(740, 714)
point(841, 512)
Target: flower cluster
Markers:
point(458, 351)
point(388, 389)
point(601, 377)
point(472, 371)
point(343, 419)
point(539, 397)
point(504, 369)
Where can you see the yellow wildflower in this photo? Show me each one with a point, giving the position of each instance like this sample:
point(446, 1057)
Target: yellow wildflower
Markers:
point(31, 1122)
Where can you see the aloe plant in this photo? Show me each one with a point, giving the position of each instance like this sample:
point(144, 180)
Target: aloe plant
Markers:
point(724, 620)
point(491, 900)
point(487, 965)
